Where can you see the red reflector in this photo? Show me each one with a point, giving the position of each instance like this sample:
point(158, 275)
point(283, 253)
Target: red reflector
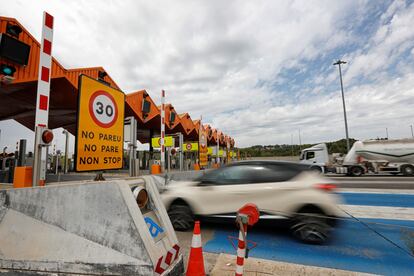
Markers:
point(47, 136)
point(326, 187)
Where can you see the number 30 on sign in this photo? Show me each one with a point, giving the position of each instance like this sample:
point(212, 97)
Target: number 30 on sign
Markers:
point(100, 130)
point(103, 109)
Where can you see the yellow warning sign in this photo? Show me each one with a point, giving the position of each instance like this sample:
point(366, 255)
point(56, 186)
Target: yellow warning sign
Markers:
point(190, 146)
point(168, 142)
point(100, 130)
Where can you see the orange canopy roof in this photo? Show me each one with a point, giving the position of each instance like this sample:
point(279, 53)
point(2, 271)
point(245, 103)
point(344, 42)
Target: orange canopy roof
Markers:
point(18, 99)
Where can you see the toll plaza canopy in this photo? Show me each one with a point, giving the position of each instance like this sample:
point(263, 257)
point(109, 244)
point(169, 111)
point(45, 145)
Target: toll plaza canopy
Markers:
point(18, 98)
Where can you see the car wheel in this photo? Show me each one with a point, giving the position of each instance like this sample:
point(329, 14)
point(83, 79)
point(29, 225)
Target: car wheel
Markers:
point(356, 171)
point(181, 217)
point(310, 228)
point(407, 170)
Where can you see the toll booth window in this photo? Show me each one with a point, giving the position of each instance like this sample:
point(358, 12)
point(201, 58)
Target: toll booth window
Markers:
point(310, 154)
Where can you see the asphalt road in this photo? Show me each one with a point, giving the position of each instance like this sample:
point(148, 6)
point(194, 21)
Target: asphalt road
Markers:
point(379, 245)
point(373, 181)
point(365, 181)
point(354, 246)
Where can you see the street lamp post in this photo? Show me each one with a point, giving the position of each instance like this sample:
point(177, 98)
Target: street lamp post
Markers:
point(339, 62)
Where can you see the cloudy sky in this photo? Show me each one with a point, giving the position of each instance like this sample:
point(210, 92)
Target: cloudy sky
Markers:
point(257, 70)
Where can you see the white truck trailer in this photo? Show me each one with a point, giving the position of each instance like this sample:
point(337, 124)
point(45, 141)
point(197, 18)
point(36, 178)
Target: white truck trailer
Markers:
point(377, 156)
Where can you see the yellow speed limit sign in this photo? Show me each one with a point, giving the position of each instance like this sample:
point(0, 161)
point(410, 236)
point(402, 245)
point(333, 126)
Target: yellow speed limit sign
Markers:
point(100, 130)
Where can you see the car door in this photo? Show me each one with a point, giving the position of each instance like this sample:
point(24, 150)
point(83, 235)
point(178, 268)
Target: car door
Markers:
point(270, 186)
point(221, 191)
point(275, 187)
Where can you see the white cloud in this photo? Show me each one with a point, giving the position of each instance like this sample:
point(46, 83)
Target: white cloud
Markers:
point(392, 38)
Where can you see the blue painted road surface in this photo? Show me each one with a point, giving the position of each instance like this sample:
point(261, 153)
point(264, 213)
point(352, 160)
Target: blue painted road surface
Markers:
point(352, 247)
point(387, 248)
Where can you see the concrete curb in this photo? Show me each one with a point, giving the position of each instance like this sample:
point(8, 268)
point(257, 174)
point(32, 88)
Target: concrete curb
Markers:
point(226, 265)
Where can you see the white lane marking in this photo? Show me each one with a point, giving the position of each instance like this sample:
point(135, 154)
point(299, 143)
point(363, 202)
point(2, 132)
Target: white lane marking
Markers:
point(379, 212)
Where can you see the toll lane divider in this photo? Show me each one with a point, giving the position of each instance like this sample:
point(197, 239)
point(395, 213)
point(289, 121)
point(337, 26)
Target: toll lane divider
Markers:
point(352, 247)
point(380, 199)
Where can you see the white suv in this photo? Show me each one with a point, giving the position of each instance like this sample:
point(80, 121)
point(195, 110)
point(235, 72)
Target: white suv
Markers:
point(279, 189)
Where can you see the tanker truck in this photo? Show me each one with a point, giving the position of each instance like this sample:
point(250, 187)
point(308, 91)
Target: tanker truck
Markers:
point(376, 156)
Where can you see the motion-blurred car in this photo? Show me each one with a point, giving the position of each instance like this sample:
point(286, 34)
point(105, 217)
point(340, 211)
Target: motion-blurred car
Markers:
point(279, 189)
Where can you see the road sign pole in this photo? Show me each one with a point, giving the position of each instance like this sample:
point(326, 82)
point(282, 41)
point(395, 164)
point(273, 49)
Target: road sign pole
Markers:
point(181, 142)
point(37, 157)
point(42, 102)
point(162, 131)
point(133, 147)
point(218, 148)
point(65, 164)
point(168, 159)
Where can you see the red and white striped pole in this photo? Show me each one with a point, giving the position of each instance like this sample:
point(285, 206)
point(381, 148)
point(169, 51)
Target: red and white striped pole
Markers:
point(45, 64)
point(162, 131)
point(241, 250)
point(247, 215)
point(42, 101)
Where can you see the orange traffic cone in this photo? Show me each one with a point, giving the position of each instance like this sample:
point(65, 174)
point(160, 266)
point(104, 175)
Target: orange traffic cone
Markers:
point(195, 261)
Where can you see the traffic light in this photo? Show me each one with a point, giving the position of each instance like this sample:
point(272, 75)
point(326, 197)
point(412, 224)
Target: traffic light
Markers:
point(172, 118)
point(7, 70)
point(102, 75)
point(47, 137)
point(13, 30)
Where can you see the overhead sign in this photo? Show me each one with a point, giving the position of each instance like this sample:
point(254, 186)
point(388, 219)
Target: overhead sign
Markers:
point(190, 146)
point(168, 142)
point(210, 150)
point(100, 132)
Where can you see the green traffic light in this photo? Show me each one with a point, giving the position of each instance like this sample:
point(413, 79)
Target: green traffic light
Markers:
point(7, 71)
